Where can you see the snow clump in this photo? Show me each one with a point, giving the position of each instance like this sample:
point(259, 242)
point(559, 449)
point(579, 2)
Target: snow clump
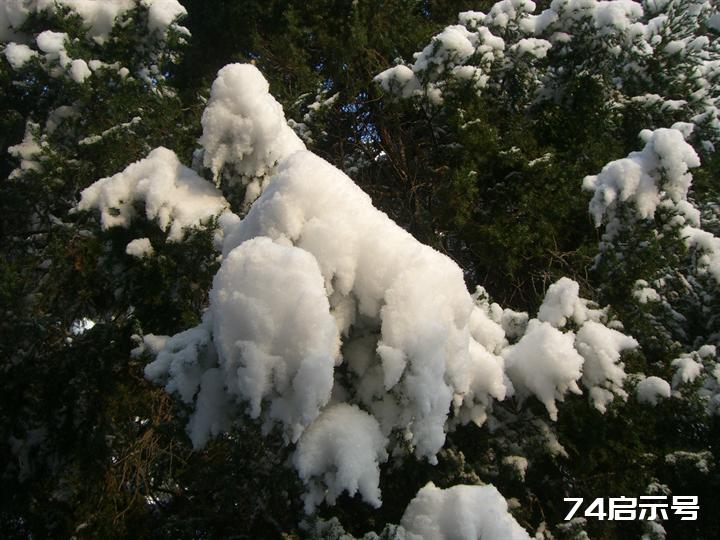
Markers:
point(562, 304)
point(603, 373)
point(460, 512)
point(140, 248)
point(331, 322)
point(98, 17)
point(544, 363)
point(244, 126)
point(651, 389)
point(276, 339)
point(660, 169)
point(18, 54)
point(340, 452)
point(173, 195)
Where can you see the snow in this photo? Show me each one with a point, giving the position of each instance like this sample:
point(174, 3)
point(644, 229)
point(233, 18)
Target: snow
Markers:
point(651, 389)
point(79, 71)
point(601, 348)
point(538, 24)
point(162, 13)
point(320, 319)
point(513, 322)
point(341, 451)
point(18, 54)
point(544, 363)
point(213, 409)
point(707, 351)
point(674, 47)
point(507, 10)
point(643, 293)
point(454, 44)
point(660, 168)
point(608, 17)
point(244, 126)
point(312, 266)
point(714, 22)
point(466, 73)
point(374, 269)
point(471, 19)
point(486, 331)
point(686, 370)
point(461, 512)
point(181, 366)
point(447, 52)
point(490, 46)
point(273, 331)
point(702, 461)
point(178, 362)
point(93, 139)
point(149, 343)
point(518, 463)
point(98, 17)
point(562, 304)
point(399, 80)
point(532, 46)
point(708, 245)
point(173, 195)
point(27, 150)
point(484, 380)
point(80, 326)
point(617, 14)
point(53, 45)
point(140, 248)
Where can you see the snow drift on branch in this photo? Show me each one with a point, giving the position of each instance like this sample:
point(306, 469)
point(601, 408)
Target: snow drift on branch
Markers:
point(661, 169)
point(244, 126)
point(340, 452)
point(330, 322)
point(276, 340)
point(377, 274)
point(544, 363)
point(627, 41)
point(656, 178)
point(98, 16)
point(460, 512)
point(172, 194)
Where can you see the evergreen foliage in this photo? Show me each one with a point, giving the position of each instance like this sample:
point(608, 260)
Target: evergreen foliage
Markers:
point(480, 155)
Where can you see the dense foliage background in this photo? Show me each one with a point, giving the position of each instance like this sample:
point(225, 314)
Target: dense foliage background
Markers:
point(89, 448)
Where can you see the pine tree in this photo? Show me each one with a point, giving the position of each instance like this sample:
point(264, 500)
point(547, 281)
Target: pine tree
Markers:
point(212, 331)
point(81, 97)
